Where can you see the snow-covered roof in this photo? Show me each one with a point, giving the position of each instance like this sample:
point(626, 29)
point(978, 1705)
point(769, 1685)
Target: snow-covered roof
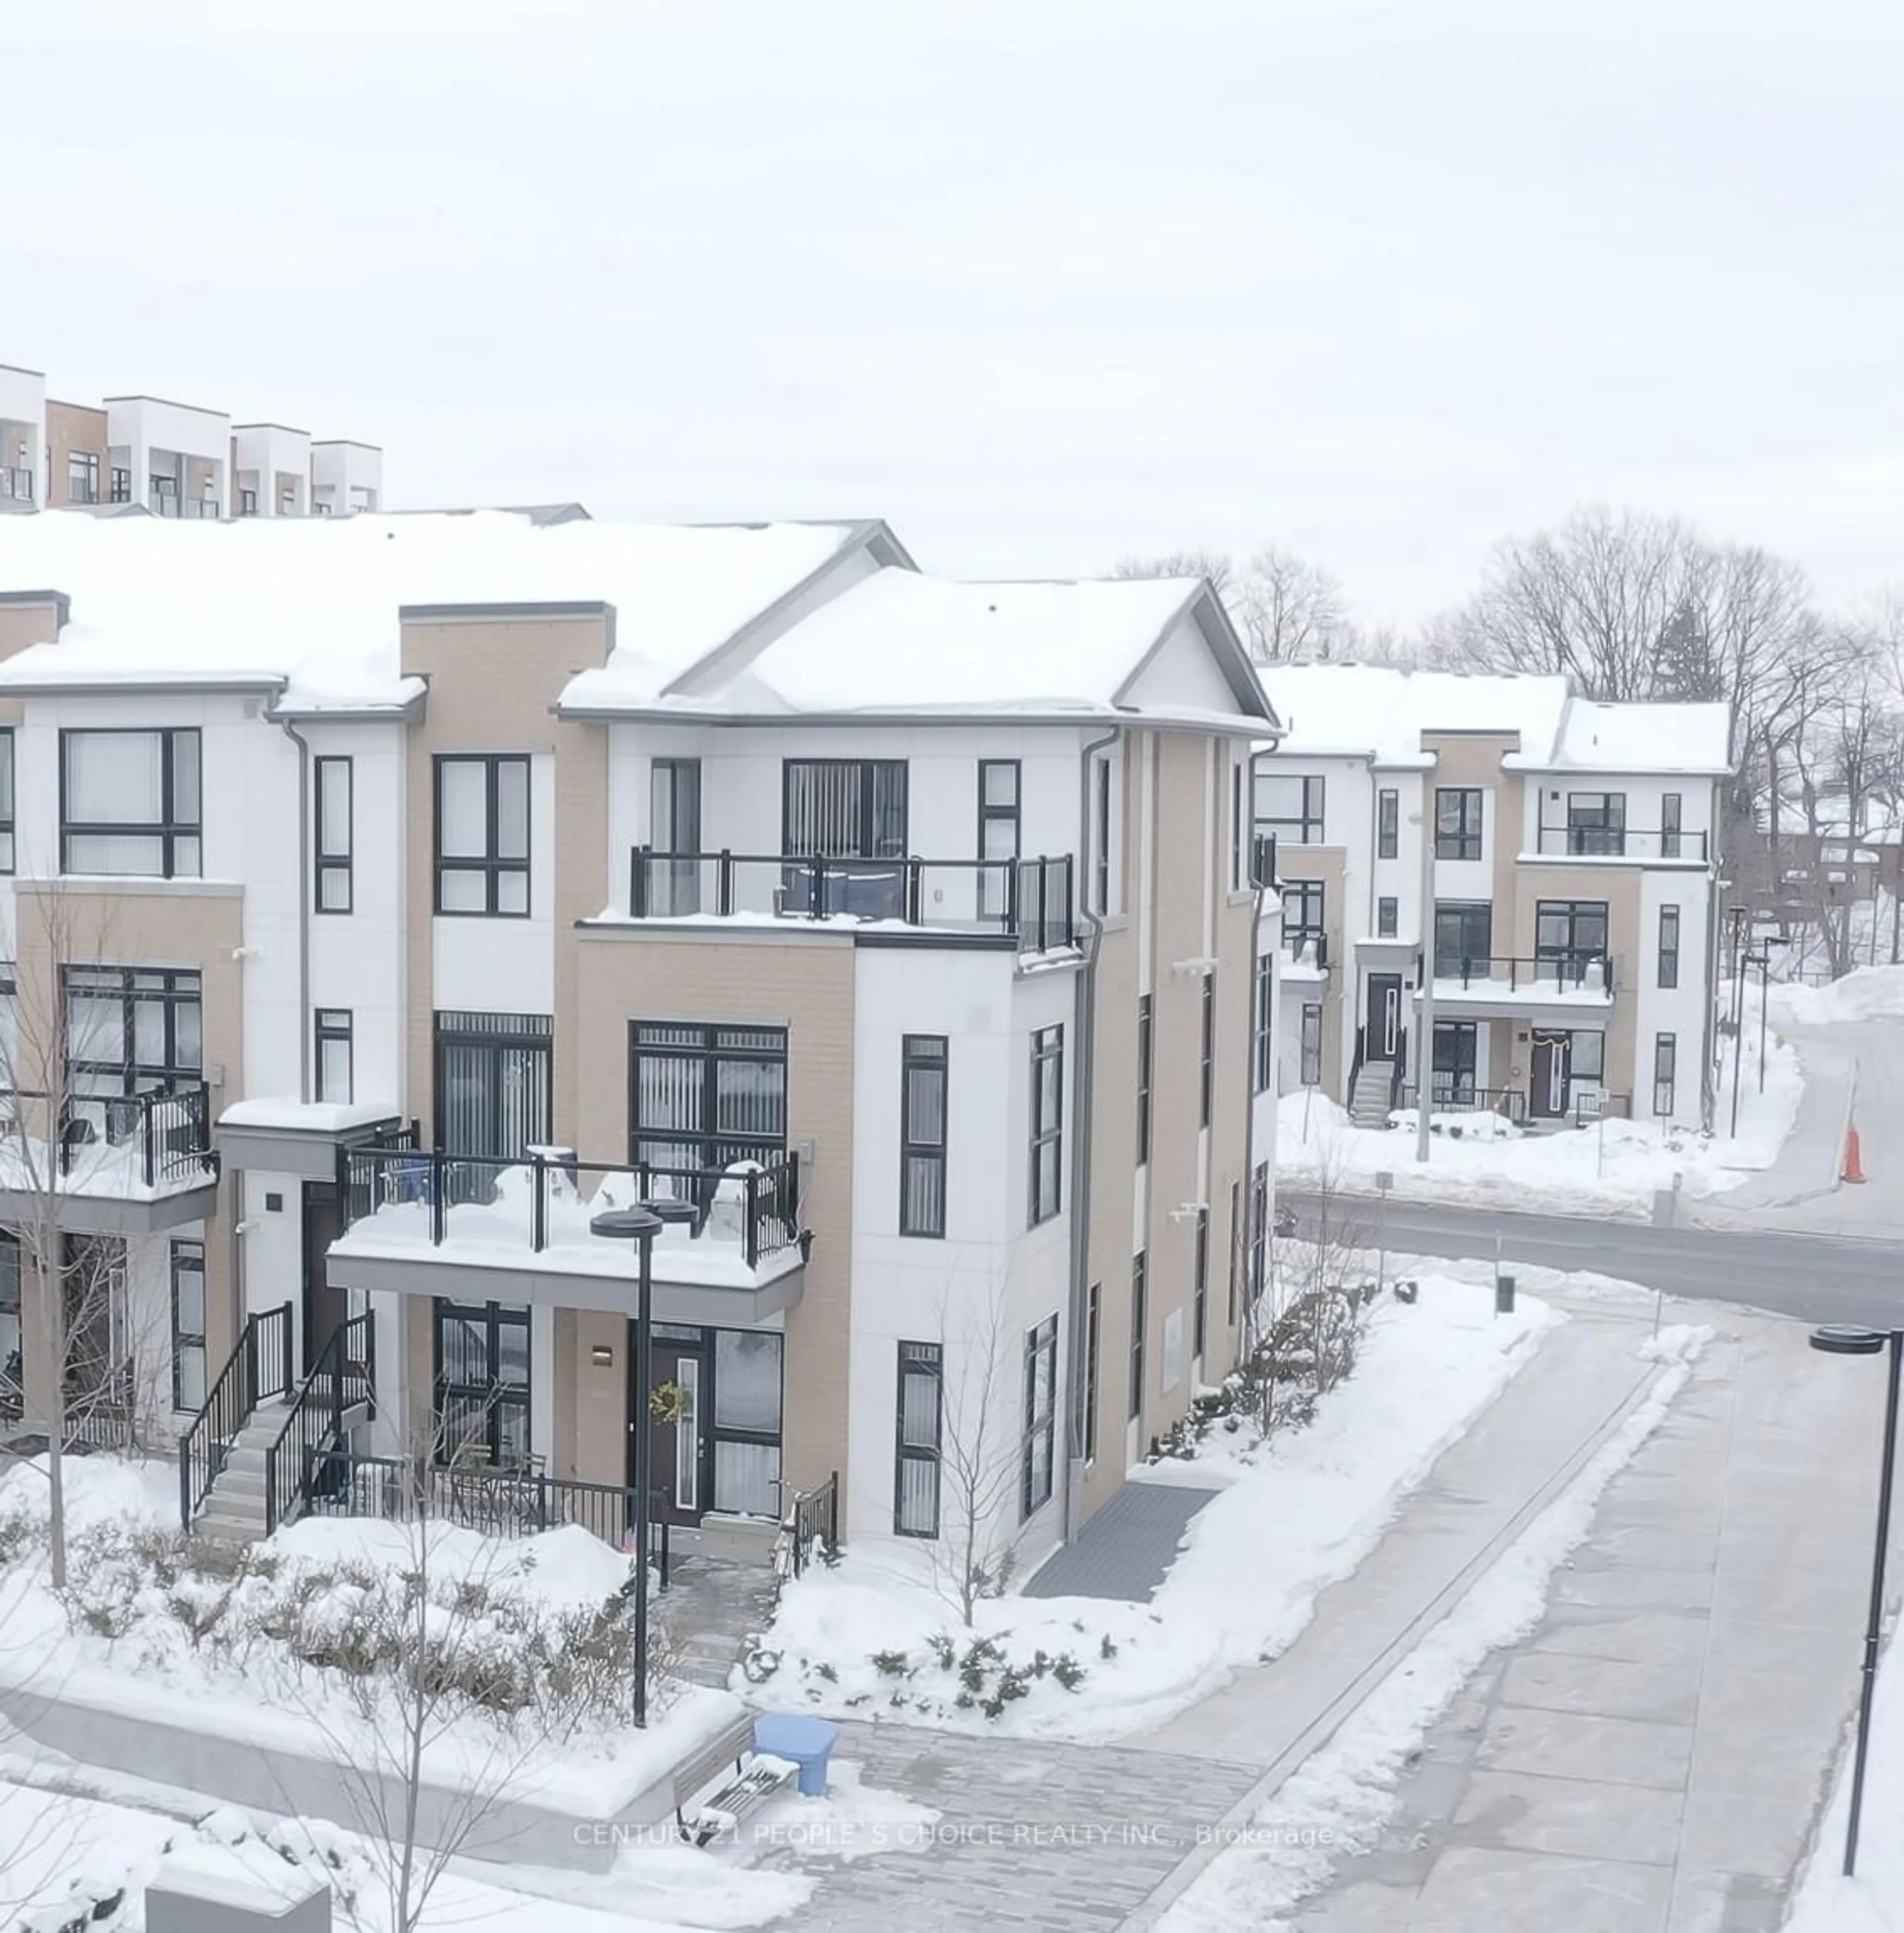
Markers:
point(309, 607)
point(1649, 738)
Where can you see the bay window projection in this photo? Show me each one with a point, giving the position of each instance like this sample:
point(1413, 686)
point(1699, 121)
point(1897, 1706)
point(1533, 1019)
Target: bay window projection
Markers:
point(130, 803)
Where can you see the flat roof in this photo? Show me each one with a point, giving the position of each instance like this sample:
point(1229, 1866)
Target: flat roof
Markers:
point(171, 403)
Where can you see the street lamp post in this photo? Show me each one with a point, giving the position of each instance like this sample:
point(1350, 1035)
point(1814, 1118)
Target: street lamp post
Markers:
point(1835, 1340)
point(641, 1224)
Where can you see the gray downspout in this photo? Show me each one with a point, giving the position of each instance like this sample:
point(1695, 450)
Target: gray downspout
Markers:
point(1084, 1027)
point(1248, 1328)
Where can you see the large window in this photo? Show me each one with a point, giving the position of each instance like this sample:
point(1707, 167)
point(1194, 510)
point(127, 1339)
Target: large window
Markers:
point(1311, 1044)
point(1290, 806)
point(1456, 1046)
point(747, 1412)
point(494, 1086)
point(334, 834)
point(843, 808)
point(130, 1030)
point(1139, 1315)
point(922, 1133)
point(1040, 1455)
point(82, 477)
point(1263, 1043)
point(13, 1369)
point(916, 1455)
point(1457, 821)
point(1669, 824)
point(999, 834)
point(483, 836)
point(188, 1326)
point(1200, 1284)
point(121, 486)
point(482, 1383)
point(1388, 824)
point(1665, 1068)
point(1669, 946)
point(1047, 1123)
point(1569, 935)
point(334, 1055)
point(1206, 1062)
point(129, 804)
point(1093, 1322)
point(7, 800)
point(703, 1097)
point(673, 880)
point(1597, 822)
point(1146, 1055)
point(1464, 938)
point(1302, 916)
point(1259, 1228)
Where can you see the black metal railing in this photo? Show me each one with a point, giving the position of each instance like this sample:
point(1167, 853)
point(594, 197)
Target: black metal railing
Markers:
point(169, 1134)
point(1563, 972)
point(1028, 900)
point(344, 1378)
point(260, 1366)
point(813, 1522)
point(757, 1205)
point(1295, 939)
point(1398, 1071)
point(1597, 1104)
point(1454, 1096)
point(1262, 859)
point(1619, 842)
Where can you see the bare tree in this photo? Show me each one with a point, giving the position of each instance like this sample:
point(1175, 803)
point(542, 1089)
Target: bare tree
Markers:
point(1193, 562)
point(1290, 610)
point(979, 1460)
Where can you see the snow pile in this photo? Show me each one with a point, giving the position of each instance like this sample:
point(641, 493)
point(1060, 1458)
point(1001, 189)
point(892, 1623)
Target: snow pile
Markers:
point(1472, 1126)
point(880, 1637)
point(1865, 993)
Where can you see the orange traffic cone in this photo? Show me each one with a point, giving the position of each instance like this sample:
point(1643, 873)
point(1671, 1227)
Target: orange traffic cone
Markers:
point(1853, 1171)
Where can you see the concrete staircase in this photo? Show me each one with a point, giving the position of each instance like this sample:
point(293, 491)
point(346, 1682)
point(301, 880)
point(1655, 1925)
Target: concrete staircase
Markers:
point(1368, 1105)
point(234, 1511)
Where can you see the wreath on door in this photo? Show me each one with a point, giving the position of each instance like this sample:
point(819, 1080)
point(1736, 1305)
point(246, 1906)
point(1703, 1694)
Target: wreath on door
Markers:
point(667, 1402)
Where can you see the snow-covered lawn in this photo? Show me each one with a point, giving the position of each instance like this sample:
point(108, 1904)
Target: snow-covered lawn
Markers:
point(1865, 993)
point(881, 1636)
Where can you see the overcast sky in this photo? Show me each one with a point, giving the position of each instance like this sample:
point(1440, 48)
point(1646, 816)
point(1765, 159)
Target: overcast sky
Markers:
point(1040, 282)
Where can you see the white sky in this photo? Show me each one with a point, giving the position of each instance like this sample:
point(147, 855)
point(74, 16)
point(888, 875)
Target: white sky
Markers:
point(1041, 282)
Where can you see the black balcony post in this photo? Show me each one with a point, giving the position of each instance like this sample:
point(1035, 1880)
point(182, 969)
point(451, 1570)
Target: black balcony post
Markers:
point(724, 883)
point(915, 892)
point(752, 1235)
point(637, 883)
point(439, 1175)
point(539, 1209)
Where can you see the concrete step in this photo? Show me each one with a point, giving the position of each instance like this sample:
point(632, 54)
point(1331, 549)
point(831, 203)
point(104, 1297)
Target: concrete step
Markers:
point(222, 1529)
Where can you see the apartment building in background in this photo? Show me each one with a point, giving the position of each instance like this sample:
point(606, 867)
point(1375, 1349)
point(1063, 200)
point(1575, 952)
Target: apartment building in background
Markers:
point(171, 459)
point(1553, 862)
point(504, 872)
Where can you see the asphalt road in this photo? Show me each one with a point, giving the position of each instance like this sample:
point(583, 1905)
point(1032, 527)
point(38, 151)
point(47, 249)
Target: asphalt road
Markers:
point(1818, 1278)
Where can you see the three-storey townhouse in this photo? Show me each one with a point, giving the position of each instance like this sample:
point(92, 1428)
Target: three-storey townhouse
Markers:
point(1552, 860)
point(486, 876)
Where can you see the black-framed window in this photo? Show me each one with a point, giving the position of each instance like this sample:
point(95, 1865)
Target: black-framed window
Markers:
point(1038, 1478)
point(483, 833)
point(1000, 809)
point(130, 803)
point(130, 1030)
point(495, 1083)
point(1047, 1115)
point(1259, 1228)
point(188, 1383)
point(1302, 915)
point(1569, 934)
point(1263, 1042)
point(748, 1404)
point(248, 503)
point(1669, 946)
point(121, 486)
point(1597, 822)
point(13, 1362)
point(82, 477)
point(1240, 825)
point(1309, 1045)
point(1232, 1273)
point(923, 1071)
point(7, 799)
point(674, 881)
point(703, 1097)
point(1146, 1072)
point(1290, 805)
point(1140, 1318)
point(1199, 1285)
point(1463, 937)
point(1455, 1046)
point(1388, 824)
point(1666, 1069)
point(333, 1070)
point(843, 808)
point(334, 828)
point(482, 1382)
point(1457, 818)
point(1206, 1051)
point(1093, 1307)
point(917, 1434)
point(1669, 815)
point(1101, 834)
point(1388, 917)
point(1587, 1055)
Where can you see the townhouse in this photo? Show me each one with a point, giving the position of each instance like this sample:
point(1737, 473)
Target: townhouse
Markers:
point(172, 459)
point(1554, 859)
point(402, 894)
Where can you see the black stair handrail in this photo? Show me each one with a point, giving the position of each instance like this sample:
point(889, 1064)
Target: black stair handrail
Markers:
point(260, 1366)
point(315, 1421)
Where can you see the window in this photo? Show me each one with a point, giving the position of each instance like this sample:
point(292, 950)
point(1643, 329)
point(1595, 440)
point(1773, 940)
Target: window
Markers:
point(82, 477)
point(483, 836)
point(1139, 1297)
point(1464, 938)
point(1101, 835)
point(1311, 1044)
point(997, 834)
point(747, 1414)
point(334, 1070)
point(130, 803)
point(165, 495)
point(1669, 824)
point(1262, 1043)
point(843, 808)
point(1206, 1065)
point(1093, 1318)
point(287, 499)
point(6, 800)
point(1388, 913)
point(12, 1368)
point(1587, 1054)
point(482, 1383)
point(703, 1097)
point(334, 834)
point(1289, 806)
point(1200, 1284)
point(129, 1031)
point(121, 486)
point(922, 1133)
point(672, 880)
point(1665, 1060)
point(1259, 1228)
point(1456, 1044)
point(1569, 935)
point(1146, 1049)
point(916, 1452)
point(188, 1326)
point(1235, 1225)
point(1669, 946)
point(1040, 1417)
point(1387, 825)
point(248, 503)
point(1597, 822)
point(1302, 917)
point(494, 1083)
point(1237, 881)
point(1458, 822)
point(1047, 1122)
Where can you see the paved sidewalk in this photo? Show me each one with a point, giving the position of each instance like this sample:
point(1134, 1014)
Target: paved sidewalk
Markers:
point(1125, 1549)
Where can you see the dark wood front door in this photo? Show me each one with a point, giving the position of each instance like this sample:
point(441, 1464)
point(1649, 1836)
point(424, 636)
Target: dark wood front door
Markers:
point(1547, 1085)
point(674, 1410)
point(1383, 1021)
point(326, 1309)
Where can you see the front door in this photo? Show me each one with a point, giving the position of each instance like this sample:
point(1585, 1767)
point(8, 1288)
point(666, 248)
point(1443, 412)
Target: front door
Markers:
point(1384, 1016)
point(675, 1411)
point(1547, 1089)
point(326, 1309)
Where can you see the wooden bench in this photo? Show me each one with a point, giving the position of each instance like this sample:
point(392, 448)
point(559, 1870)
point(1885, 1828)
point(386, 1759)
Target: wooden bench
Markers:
point(751, 1781)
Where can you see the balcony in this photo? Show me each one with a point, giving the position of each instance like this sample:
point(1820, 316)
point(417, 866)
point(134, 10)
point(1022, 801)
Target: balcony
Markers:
point(477, 1228)
point(1660, 845)
point(129, 1164)
point(1510, 986)
point(1025, 904)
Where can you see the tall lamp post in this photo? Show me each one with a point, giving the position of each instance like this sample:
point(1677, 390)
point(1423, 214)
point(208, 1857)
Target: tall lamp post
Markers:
point(1835, 1339)
point(641, 1224)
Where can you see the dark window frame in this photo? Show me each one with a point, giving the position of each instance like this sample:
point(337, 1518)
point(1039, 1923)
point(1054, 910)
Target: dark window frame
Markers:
point(1308, 818)
point(329, 866)
point(1101, 834)
point(168, 829)
point(183, 1340)
point(1571, 955)
point(1259, 1233)
point(1596, 824)
point(496, 1396)
point(1262, 1043)
point(1047, 1049)
point(714, 1046)
point(1093, 1330)
point(1467, 920)
point(1672, 814)
point(922, 1054)
point(1200, 1282)
point(82, 464)
point(1300, 897)
point(927, 1361)
point(1669, 929)
point(1388, 823)
point(1140, 1322)
point(868, 774)
point(1665, 1071)
point(492, 866)
point(674, 881)
point(1206, 1052)
point(1462, 840)
point(1309, 1045)
point(121, 485)
point(176, 989)
point(994, 877)
point(1461, 1040)
point(497, 1036)
point(247, 502)
point(1146, 1072)
point(1388, 916)
point(1040, 1424)
point(333, 1027)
